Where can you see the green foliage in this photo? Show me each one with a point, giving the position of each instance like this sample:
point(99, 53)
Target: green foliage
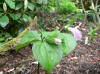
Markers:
point(4, 36)
point(78, 15)
point(53, 34)
point(4, 20)
point(11, 3)
point(93, 16)
point(31, 6)
point(13, 11)
point(50, 36)
point(47, 55)
point(25, 18)
point(28, 38)
point(68, 43)
point(67, 7)
point(45, 49)
point(15, 16)
point(42, 1)
point(92, 32)
point(18, 6)
point(52, 6)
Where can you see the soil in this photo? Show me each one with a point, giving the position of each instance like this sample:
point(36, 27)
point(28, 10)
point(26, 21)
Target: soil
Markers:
point(85, 59)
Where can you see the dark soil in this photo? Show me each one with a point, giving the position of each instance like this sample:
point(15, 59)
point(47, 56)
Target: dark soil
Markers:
point(85, 59)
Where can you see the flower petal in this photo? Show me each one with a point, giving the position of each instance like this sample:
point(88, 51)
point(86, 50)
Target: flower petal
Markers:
point(77, 33)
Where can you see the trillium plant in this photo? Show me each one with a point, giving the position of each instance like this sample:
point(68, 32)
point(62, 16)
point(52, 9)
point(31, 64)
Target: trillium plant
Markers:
point(49, 47)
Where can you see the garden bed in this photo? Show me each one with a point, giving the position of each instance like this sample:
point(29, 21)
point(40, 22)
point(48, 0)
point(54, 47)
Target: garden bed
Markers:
point(85, 59)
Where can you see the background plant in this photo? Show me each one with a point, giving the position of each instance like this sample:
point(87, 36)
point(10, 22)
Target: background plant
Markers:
point(94, 16)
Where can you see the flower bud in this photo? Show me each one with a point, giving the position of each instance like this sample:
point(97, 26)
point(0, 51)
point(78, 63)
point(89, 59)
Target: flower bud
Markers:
point(25, 4)
point(4, 7)
point(58, 40)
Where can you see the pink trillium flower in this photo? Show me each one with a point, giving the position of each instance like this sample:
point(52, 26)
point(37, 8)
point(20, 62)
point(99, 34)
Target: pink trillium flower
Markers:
point(76, 32)
point(58, 40)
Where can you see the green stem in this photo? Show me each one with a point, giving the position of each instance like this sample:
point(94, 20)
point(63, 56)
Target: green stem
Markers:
point(13, 42)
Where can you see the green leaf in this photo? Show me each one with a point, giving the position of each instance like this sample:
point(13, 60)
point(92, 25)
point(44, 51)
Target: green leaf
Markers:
point(4, 20)
point(68, 43)
point(19, 6)
point(51, 40)
point(7, 35)
point(31, 36)
point(1, 9)
point(1, 14)
point(26, 18)
point(47, 55)
point(1, 2)
point(11, 3)
point(53, 34)
point(15, 16)
point(39, 1)
point(31, 6)
point(2, 39)
point(50, 36)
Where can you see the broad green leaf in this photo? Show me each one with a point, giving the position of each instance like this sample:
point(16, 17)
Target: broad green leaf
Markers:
point(50, 40)
point(31, 6)
point(47, 55)
point(19, 6)
point(53, 34)
point(68, 43)
point(4, 20)
point(11, 3)
point(31, 36)
point(15, 16)
point(26, 18)
point(50, 36)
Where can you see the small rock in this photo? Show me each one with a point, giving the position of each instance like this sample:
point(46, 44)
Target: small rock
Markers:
point(58, 66)
point(1, 72)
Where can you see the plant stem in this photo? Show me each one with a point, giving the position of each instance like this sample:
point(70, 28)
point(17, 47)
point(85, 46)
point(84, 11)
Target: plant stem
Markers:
point(38, 69)
point(15, 41)
point(46, 72)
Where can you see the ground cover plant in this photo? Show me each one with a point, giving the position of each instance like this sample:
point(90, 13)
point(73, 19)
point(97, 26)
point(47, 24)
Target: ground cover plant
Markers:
point(51, 29)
